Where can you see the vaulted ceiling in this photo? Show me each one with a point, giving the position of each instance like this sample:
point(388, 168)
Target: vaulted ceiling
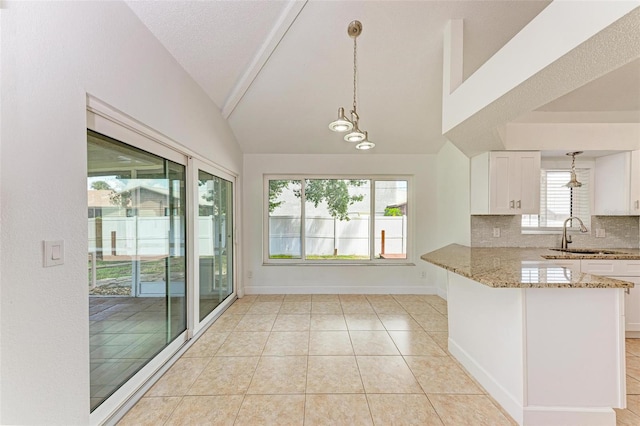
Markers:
point(278, 70)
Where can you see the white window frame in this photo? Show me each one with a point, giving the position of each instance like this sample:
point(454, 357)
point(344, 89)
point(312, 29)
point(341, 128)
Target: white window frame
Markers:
point(564, 165)
point(334, 262)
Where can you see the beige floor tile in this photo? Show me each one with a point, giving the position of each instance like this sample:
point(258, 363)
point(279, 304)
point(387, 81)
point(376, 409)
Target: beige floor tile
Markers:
point(440, 306)
point(326, 307)
point(262, 308)
point(207, 345)
point(331, 410)
point(380, 298)
point(416, 343)
point(477, 410)
point(330, 343)
point(246, 299)
point(244, 343)
point(633, 386)
point(325, 298)
point(281, 410)
point(633, 403)
point(270, 298)
point(287, 343)
point(352, 298)
point(238, 308)
point(372, 343)
point(633, 367)
point(433, 299)
point(633, 346)
point(391, 307)
point(296, 308)
point(626, 418)
point(297, 298)
point(199, 410)
point(291, 322)
point(225, 376)
point(399, 322)
point(408, 298)
point(386, 374)
point(357, 308)
point(328, 322)
point(279, 375)
point(179, 378)
point(441, 338)
point(225, 323)
point(363, 322)
point(419, 308)
point(402, 409)
point(432, 322)
point(333, 374)
point(256, 323)
point(441, 375)
point(150, 411)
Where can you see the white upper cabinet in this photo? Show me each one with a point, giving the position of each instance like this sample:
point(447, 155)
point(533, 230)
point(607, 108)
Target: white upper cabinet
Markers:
point(634, 185)
point(505, 182)
point(617, 184)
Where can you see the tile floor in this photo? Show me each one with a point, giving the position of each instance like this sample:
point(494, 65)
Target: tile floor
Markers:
point(331, 360)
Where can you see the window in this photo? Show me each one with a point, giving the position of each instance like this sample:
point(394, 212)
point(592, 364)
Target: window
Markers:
point(348, 219)
point(557, 202)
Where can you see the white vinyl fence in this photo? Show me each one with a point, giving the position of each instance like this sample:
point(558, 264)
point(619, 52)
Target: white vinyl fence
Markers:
point(326, 234)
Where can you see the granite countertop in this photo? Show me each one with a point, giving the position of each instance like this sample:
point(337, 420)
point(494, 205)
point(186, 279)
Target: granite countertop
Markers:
point(513, 267)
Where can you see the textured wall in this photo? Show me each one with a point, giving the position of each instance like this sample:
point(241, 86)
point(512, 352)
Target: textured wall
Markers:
point(621, 232)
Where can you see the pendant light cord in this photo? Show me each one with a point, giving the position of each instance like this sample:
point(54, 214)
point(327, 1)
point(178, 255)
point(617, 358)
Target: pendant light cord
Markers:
point(355, 70)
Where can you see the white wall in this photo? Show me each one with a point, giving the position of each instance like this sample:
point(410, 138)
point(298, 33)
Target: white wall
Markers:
point(53, 54)
point(453, 201)
point(340, 279)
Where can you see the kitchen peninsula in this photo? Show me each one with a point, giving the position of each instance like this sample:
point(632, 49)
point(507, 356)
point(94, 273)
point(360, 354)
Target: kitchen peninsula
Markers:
point(547, 342)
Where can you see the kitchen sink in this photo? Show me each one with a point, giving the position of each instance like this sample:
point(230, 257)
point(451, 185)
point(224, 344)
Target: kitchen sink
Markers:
point(587, 251)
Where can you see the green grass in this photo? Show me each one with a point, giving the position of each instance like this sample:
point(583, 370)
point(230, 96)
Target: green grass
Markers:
point(120, 269)
point(322, 257)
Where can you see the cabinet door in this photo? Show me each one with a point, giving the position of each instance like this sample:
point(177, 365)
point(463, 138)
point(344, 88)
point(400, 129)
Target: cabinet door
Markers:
point(502, 182)
point(528, 174)
point(612, 184)
point(632, 305)
point(634, 198)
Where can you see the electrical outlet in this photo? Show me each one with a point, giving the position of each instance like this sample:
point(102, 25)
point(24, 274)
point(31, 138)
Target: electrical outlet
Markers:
point(600, 233)
point(423, 275)
point(496, 232)
point(250, 274)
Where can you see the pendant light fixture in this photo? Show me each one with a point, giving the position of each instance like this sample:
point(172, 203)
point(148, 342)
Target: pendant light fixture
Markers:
point(342, 123)
point(573, 183)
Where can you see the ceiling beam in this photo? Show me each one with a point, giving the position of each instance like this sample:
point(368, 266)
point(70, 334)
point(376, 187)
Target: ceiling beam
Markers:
point(287, 18)
point(567, 45)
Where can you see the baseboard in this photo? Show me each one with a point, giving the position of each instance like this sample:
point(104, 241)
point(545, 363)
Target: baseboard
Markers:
point(341, 289)
point(509, 402)
point(569, 416)
point(442, 292)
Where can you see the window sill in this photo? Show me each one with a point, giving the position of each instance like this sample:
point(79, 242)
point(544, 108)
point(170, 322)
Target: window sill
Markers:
point(338, 263)
point(548, 232)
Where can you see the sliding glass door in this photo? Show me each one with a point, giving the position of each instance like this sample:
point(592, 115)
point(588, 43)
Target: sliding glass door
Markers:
point(137, 259)
point(215, 249)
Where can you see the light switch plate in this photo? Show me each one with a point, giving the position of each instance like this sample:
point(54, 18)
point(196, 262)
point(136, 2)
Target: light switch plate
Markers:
point(53, 253)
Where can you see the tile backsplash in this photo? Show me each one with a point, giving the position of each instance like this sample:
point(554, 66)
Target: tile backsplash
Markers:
point(620, 232)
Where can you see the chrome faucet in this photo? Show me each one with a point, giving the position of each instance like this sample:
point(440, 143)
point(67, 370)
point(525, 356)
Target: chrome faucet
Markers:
point(566, 239)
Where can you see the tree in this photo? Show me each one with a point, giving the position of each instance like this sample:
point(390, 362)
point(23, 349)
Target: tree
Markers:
point(392, 211)
point(101, 185)
point(335, 192)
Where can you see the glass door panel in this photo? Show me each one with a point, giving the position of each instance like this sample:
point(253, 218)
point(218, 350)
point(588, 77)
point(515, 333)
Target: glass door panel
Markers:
point(215, 241)
point(137, 252)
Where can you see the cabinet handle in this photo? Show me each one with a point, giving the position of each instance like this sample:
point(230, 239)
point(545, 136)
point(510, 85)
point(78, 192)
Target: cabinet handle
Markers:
point(511, 204)
point(519, 204)
point(637, 204)
point(627, 290)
